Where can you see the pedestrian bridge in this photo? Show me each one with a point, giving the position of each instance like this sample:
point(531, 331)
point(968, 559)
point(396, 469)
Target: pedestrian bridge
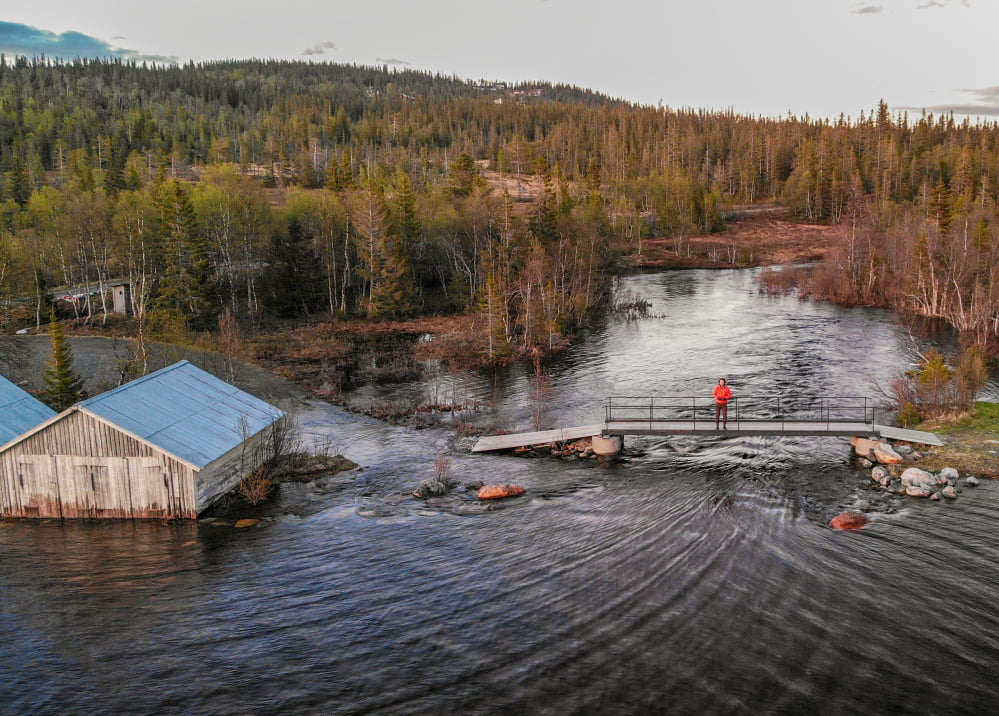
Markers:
point(747, 416)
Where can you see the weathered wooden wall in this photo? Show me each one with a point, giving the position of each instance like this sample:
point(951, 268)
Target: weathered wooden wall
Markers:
point(82, 467)
point(224, 473)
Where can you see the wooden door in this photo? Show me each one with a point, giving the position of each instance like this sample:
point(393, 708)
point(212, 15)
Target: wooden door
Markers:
point(35, 487)
point(150, 488)
point(94, 487)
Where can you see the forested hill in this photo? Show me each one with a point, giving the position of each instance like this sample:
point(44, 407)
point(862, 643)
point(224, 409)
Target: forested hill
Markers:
point(258, 84)
point(271, 188)
point(191, 108)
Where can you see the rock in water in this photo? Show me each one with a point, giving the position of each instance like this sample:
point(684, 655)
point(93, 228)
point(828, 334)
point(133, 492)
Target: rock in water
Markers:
point(880, 473)
point(917, 491)
point(971, 481)
point(248, 522)
point(436, 486)
point(848, 520)
point(884, 454)
point(914, 477)
point(949, 473)
point(495, 492)
point(864, 447)
point(949, 492)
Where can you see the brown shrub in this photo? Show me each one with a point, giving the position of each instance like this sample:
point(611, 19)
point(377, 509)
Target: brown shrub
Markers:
point(782, 280)
point(256, 487)
point(442, 466)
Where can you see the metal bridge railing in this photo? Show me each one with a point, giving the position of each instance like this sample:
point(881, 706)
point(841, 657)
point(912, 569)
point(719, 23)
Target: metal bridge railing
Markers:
point(742, 409)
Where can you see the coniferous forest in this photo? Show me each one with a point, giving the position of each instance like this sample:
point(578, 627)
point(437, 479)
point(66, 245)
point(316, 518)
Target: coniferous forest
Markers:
point(258, 191)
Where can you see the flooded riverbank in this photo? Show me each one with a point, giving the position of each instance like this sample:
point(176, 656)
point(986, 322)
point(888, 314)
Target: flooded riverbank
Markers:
point(701, 577)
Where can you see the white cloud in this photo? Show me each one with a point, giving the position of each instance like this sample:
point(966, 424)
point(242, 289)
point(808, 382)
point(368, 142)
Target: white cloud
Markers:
point(319, 49)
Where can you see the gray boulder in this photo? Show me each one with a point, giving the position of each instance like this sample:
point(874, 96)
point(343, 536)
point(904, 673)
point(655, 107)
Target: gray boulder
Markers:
point(949, 473)
point(971, 481)
point(879, 472)
point(881, 476)
point(914, 477)
point(949, 492)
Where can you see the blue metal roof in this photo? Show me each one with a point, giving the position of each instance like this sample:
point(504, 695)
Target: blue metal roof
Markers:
point(185, 411)
point(19, 411)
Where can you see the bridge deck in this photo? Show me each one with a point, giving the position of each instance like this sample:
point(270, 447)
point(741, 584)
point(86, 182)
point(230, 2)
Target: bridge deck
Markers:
point(912, 436)
point(543, 437)
point(737, 427)
point(687, 427)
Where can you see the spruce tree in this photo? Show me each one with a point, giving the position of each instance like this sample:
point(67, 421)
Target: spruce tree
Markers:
point(185, 290)
point(407, 231)
point(404, 222)
point(18, 183)
point(543, 222)
point(390, 281)
point(114, 176)
point(464, 175)
point(391, 296)
point(63, 387)
point(291, 283)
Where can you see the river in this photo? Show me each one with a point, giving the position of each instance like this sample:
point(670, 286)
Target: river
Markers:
point(700, 577)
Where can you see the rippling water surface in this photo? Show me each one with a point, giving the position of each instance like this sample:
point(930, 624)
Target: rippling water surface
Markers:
point(700, 577)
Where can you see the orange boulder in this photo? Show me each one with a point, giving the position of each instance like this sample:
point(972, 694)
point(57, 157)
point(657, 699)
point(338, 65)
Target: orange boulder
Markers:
point(848, 521)
point(495, 492)
point(884, 454)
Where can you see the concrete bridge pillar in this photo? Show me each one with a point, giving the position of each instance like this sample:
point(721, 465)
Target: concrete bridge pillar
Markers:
point(607, 445)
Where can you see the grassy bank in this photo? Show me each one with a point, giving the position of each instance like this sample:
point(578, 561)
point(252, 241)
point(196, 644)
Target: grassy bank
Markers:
point(972, 441)
point(757, 236)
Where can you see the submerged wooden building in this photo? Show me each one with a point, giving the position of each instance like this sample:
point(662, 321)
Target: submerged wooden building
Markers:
point(166, 445)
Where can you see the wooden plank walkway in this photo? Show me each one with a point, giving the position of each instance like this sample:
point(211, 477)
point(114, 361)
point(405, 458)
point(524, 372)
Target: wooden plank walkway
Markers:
point(912, 436)
point(687, 427)
point(544, 437)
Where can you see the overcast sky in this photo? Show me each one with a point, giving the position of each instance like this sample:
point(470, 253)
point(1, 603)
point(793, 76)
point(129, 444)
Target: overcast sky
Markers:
point(766, 57)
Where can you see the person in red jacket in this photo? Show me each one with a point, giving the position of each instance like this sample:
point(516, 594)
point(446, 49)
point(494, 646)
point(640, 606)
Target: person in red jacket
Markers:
point(722, 394)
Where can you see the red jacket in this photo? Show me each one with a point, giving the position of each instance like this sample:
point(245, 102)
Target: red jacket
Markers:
point(722, 394)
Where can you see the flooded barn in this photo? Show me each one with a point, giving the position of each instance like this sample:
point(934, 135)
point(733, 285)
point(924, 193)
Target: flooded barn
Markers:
point(164, 446)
